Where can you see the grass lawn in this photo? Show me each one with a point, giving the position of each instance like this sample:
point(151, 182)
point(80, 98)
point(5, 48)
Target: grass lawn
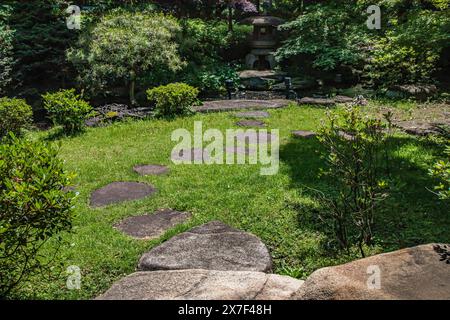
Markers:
point(271, 207)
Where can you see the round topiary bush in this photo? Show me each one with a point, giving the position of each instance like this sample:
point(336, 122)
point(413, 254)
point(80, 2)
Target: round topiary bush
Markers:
point(173, 99)
point(15, 115)
point(67, 109)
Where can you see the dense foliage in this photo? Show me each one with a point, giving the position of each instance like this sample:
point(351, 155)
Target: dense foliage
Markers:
point(123, 47)
point(441, 171)
point(173, 99)
point(34, 207)
point(15, 115)
point(413, 38)
point(67, 109)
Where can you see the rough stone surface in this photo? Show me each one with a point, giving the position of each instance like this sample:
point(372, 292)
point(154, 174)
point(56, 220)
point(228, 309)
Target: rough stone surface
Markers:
point(317, 101)
point(194, 154)
point(304, 134)
point(202, 285)
point(153, 225)
point(253, 114)
point(417, 273)
point(257, 138)
point(150, 169)
point(117, 192)
point(260, 80)
point(251, 123)
point(230, 105)
point(419, 128)
point(418, 91)
point(238, 150)
point(343, 99)
point(212, 246)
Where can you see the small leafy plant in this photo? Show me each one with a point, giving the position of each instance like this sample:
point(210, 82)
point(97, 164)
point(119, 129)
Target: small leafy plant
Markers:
point(356, 165)
point(34, 207)
point(15, 115)
point(441, 171)
point(173, 99)
point(67, 109)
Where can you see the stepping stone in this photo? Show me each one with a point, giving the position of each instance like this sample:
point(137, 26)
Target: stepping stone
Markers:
point(255, 139)
point(117, 192)
point(240, 150)
point(212, 246)
point(152, 226)
point(253, 114)
point(203, 285)
point(239, 104)
point(343, 99)
point(317, 101)
point(195, 154)
point(346, 136)
point(251, 123)
point(148, 170)
point(304, 134)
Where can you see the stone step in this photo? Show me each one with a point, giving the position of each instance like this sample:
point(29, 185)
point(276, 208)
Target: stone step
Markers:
point(202, 285)
point(212, 246)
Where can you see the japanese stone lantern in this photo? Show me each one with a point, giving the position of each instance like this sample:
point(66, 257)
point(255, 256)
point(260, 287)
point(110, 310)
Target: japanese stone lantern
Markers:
point(263, 42)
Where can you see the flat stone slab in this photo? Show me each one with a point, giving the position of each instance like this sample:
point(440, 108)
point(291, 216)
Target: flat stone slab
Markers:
point(253, 114)
point(251, 123)
point(191, 154)
point(152, 226)
point(419, 273)
point(118, 192)
point(150, 169)
point(419, 128)
point(212, 246)
point(240, 150)
point(202, 285)
point(257, 138)
point(304, 134)
point(230, 105)
point(317, 101)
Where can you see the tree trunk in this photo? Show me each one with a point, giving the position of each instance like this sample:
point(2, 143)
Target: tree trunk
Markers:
point(230, 18)
point(132, 88)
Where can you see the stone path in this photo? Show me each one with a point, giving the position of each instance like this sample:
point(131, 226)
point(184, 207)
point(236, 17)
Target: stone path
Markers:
point(325, 101)
point(240, 150)
point(304, 134)
point(212, 246)
point(422, 128)
point(153, 225)
point(230, 105)
point(203, 285)
point(255, 139)
point(117, 192)
point(192, 155)
point(150, 169)
point(253, 114)
point(251, 123)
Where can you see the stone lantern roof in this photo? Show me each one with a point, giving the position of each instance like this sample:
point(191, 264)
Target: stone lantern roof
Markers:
point(263, 21)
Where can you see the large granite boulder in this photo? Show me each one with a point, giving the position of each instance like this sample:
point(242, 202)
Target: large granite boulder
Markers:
point(417, 91)
point(212, 246)
point(421, 272)
point(202, 285)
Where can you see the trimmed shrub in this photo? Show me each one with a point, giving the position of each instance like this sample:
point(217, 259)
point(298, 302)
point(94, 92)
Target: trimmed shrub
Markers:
point(173, 99)
point(15, 115)
point(34, 207)
point(67, 109)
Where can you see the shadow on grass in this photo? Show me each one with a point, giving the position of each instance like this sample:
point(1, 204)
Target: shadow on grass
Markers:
point(411, 215)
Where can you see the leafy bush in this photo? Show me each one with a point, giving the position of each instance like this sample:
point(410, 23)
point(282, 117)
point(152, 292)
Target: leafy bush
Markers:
point(15, 115)
point(34, 207)
point(123, 47)
point(354, 152)
point(173, 99)
point(441, 171)
point(67, 109)
point(211, 79)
